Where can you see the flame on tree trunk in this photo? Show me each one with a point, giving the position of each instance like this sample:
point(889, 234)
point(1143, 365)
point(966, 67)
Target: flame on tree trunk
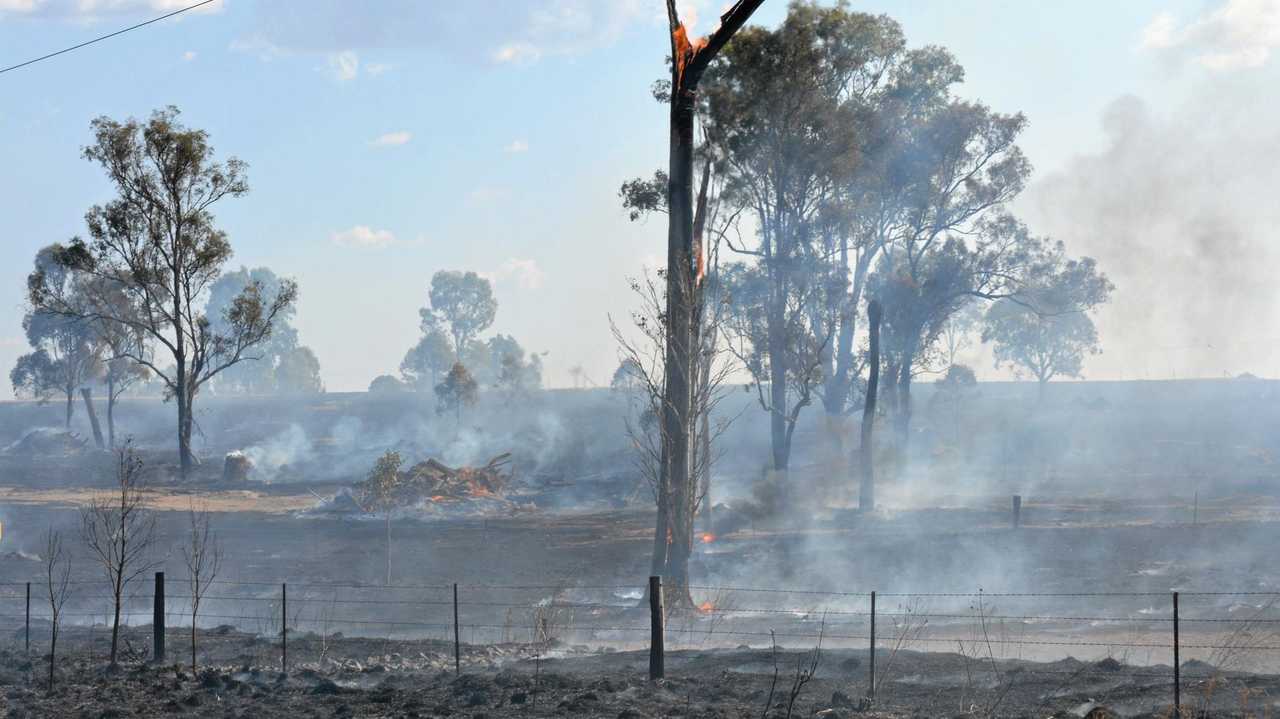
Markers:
point(688, 62)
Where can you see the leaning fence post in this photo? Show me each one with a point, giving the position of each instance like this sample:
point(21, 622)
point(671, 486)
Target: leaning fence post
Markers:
point(28, 617)
point(457, 641)
point(656, 670)
point(157, 620)
point(1177, 669)
point(871, 688)
point(284, 627)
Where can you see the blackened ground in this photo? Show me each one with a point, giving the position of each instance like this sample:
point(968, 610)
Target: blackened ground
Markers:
point(358, 677)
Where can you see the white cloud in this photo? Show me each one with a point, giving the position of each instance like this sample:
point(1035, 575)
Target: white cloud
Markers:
point(362, 236)
point(377, 68)
point(519, 53)
point(344, 65)
point(1238, 34)
point(189, 55)
point(516, 146)
point(525, 273)
point(391, 139)
point(93, 10)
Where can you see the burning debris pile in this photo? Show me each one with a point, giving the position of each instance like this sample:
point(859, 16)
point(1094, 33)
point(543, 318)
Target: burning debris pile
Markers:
point(432, 481)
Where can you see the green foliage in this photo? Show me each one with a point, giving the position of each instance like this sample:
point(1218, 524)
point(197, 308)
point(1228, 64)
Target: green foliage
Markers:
point(426, 362)
point(379, 489)
point(66, 349)
point(298, 372)
point(260, 372)
point(386, 384)
point(458, 390)
point(464, 303)
point(1041, 345)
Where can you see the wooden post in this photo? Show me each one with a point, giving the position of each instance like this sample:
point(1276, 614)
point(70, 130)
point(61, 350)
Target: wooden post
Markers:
point(157, 621)
point(1017, 510)
point(28, 617)
point(284, 627)
point(871, 688)
point(457, 641)
point(1177, 669)
point(656, 669)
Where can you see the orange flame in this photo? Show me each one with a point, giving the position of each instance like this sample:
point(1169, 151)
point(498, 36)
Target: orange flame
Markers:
point(708, 538)
point(706, 606)
point(685, 50)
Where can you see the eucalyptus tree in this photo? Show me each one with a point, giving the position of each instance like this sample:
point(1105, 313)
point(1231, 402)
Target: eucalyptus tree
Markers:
point(158, 245)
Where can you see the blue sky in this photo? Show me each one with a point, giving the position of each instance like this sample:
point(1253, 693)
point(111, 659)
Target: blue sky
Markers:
point(389, 140)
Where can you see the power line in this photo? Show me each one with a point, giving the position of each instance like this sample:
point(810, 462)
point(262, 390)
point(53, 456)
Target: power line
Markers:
point(104, 37)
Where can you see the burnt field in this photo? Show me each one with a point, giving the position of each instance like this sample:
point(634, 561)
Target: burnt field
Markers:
point(973, 615)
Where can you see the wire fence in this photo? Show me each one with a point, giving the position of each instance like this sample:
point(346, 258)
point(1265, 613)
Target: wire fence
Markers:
point(1150, 635)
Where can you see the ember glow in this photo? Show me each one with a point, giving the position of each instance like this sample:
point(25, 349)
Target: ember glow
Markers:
point(708, 537)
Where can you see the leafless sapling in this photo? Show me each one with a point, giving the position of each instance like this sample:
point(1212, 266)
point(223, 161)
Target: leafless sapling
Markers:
point(120, 533)
point(203, 556)
point(57, 576)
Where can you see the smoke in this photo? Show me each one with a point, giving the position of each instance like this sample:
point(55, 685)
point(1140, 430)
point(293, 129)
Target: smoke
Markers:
point(286, 448)
point(1179, 210)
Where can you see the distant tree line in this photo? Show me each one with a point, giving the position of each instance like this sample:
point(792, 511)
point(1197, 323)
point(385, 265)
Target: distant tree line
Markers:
point(450, 361)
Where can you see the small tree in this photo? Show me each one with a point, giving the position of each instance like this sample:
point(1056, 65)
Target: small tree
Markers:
point(426, 362)
point(202, 555)
point(457, 390)
point(380, 493)
point(957, 382)
point(1043, 346)
point(57, 576)
point(299, 372)
point(120, 532)
point(66, 353)
point(65, 357)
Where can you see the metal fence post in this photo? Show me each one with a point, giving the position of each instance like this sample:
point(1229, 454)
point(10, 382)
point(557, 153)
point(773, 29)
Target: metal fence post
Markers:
point(457, 640)
point(656, 651)
point(871, 687)
point(1177, 668)
point(28, 617)
point(284, 627)
point(157, 620)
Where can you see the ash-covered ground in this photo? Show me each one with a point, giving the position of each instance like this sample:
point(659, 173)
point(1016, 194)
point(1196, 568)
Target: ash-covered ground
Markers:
point(1128, 496)
point(241, 676)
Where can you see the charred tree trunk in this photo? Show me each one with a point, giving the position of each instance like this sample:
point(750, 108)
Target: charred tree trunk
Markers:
point(70, 408)
point(93, 417)
point(903, 423)
point(184, 423)
point(687, 65)
point(111, 412)
point(115, 623)
point(778, 400)
point(866, 494)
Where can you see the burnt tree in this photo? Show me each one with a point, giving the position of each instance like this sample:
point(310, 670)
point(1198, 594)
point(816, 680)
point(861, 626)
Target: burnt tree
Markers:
point(689, 60)
point(867, 490)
